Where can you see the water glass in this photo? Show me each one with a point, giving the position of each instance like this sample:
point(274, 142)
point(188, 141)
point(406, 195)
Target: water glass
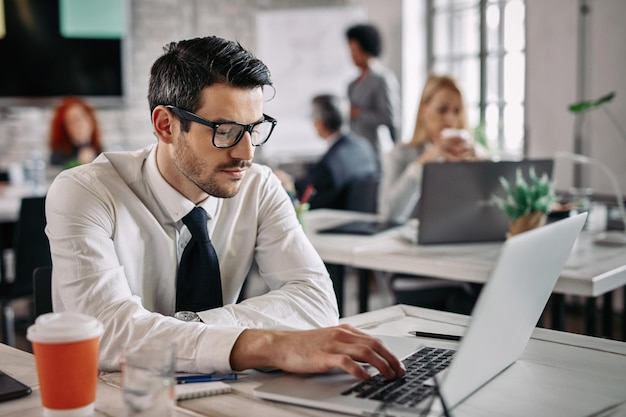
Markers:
point(148, 379)
point(580, 199)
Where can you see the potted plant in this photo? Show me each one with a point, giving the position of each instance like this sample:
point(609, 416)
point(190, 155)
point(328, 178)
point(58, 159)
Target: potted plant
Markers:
point(526, 202)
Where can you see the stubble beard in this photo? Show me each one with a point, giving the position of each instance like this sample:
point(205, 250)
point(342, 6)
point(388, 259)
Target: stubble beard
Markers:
point(195, 171)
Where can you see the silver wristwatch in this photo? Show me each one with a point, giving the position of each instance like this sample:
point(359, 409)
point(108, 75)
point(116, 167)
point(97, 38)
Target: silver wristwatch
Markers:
point(187, 316)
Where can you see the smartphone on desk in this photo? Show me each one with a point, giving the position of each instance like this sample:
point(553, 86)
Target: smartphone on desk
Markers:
point(11, 388)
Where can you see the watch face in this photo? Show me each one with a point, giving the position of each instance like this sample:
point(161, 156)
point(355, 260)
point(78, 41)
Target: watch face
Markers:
point(187, 316)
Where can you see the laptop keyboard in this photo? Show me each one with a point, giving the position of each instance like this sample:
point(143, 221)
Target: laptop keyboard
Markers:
point(409, 390)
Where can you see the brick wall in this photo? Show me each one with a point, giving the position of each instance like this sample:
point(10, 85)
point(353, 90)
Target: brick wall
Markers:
point(151, 25)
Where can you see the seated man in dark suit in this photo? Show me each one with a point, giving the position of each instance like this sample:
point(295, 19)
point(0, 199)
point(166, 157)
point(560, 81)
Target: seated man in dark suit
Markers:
point(349, 158)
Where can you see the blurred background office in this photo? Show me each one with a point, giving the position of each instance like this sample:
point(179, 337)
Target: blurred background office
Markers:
point(520, 63)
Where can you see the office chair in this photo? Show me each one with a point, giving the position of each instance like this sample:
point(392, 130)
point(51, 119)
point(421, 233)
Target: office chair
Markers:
point(42, 290)
point(362, 194)
point(32, 250)
point(6, 233)
point(434, 293)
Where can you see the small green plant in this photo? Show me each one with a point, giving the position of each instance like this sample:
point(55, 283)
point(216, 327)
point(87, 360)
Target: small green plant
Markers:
point(524, 197)
point(586, 105)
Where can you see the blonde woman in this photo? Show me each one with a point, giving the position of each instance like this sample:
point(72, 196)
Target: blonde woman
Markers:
point(440, 136)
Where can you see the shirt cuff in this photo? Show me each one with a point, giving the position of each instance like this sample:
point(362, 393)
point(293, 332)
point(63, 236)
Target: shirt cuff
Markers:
point(214, 348)
point(219, 341)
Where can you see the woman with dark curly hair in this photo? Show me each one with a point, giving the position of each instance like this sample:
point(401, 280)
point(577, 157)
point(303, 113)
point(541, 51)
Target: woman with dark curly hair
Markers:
point(375, 94)
point(74, 134)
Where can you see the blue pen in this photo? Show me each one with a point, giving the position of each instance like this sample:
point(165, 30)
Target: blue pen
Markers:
point(188, 379)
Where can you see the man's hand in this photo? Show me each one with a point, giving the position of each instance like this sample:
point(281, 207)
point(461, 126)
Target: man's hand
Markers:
point(312, 351)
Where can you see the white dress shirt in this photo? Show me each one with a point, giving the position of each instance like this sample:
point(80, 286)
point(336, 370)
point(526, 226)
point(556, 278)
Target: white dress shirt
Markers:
point(116, 237)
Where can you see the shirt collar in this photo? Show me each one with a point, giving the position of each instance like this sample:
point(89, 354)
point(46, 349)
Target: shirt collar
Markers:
point(173, 203)
point(330, 141)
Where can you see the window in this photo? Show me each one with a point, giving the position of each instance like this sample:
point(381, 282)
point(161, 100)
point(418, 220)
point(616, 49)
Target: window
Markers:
point(481, 43)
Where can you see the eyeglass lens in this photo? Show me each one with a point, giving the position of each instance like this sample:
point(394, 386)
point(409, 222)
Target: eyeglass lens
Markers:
point(227, 134)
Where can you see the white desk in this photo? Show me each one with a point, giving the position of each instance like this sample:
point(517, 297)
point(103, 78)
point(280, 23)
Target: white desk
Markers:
point(10, 201)
point(335, 248)
point(590, 271)
point(559, 374)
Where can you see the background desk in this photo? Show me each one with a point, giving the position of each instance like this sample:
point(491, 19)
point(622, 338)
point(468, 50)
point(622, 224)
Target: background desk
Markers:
point(11, 199)
point(591, 270)
point(338, 250)
point(559, 374)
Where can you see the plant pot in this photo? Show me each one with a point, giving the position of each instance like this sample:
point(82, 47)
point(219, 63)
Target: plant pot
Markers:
point(525, 223)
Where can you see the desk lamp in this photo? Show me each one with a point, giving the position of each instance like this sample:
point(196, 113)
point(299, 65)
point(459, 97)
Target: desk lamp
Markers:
point(608, 238)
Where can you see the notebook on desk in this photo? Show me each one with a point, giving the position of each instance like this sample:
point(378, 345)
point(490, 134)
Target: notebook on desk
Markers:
point(502, 322)
point(456, 203)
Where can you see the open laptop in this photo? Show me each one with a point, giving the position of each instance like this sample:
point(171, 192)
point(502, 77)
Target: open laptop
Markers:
point(508, 308)
point(456, 204)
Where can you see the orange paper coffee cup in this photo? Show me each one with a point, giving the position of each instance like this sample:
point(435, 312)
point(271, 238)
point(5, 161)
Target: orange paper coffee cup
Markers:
point(66, 354)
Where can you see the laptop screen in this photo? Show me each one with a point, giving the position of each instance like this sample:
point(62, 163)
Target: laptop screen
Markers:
point(456, 203)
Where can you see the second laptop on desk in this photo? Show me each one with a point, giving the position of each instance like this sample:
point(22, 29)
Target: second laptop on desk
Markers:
point(456, 203)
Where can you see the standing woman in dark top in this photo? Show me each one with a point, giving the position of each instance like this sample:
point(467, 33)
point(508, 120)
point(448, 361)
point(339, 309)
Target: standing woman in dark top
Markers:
point(375, 94)
point(74, 134)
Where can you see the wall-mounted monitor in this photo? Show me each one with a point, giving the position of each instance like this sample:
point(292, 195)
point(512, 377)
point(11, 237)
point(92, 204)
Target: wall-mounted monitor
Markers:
point(56, 48)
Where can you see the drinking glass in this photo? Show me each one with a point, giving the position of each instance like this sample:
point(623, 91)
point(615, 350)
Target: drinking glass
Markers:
point(148, 380)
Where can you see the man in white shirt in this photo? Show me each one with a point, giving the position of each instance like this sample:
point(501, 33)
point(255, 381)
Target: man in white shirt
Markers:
point(116, 233)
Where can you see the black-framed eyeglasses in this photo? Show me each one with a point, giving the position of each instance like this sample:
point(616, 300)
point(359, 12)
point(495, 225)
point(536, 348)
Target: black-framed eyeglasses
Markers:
point(228, 134)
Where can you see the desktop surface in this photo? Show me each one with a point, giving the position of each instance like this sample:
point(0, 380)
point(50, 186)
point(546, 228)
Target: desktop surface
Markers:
point(558, 374)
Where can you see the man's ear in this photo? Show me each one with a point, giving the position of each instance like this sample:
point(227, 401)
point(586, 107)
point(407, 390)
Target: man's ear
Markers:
point(164, 123)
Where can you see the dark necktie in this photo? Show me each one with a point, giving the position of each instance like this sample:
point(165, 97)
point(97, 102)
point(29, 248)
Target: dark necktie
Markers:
point(198, 286)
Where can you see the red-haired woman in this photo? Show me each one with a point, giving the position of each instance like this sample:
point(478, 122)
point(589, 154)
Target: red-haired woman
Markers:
point(74, 134)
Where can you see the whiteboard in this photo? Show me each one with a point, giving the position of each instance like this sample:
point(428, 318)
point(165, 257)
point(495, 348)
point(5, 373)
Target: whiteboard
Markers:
point(307, 53)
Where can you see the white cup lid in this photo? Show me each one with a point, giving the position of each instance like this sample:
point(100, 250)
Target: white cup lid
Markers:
point(64, 327)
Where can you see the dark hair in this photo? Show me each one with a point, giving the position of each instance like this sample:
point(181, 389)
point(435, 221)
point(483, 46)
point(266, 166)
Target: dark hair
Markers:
point(188, 66)
point(327, 107)
point(368, 37)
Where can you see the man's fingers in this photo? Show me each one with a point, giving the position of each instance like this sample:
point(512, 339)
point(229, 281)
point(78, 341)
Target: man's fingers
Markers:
point(377, 356)
point(365, 348)
point(348, 364)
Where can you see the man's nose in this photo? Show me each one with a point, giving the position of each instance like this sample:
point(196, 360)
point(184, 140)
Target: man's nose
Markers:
point(243, 150)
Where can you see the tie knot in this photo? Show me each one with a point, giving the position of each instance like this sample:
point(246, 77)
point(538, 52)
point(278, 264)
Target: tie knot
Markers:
point(196, 221)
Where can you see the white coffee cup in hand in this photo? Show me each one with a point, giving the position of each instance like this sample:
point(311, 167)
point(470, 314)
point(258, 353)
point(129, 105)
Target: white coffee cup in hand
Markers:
point(449, 133)
point(456, 144)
